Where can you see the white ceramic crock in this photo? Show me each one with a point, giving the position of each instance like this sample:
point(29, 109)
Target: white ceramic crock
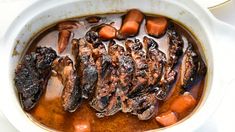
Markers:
point(215, 36)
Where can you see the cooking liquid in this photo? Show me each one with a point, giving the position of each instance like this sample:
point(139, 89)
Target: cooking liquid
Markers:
point(49, 111)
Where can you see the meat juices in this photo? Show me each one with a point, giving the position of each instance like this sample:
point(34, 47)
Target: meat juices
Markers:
point(111, 70)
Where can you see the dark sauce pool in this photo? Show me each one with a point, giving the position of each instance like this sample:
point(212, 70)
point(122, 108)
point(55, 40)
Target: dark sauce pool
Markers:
point(49, 111)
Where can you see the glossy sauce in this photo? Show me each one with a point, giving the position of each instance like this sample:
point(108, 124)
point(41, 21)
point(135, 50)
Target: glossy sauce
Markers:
point(49, 111)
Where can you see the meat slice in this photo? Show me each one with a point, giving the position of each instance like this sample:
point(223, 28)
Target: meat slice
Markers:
point(112, 107)
point(104, 69)
point(72, 92)
point(124, 64)
point(176, 45)
point(125, 70)
point(142, 99)
point(111, 97)
point(32, 74)
point(192, 68)
point(85, 65)
point(144, 105)
point(156, 60)
point(175, 51)
point(140, 78)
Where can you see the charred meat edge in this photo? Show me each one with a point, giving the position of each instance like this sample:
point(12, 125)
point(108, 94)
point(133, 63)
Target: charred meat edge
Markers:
point(193, 68)
point(85, 65)
point(32, 74)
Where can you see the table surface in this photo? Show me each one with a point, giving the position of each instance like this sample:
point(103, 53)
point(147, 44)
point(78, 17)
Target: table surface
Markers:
point(224, 117)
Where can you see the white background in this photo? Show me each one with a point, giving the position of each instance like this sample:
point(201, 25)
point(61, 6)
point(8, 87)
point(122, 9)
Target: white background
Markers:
point(222, 120)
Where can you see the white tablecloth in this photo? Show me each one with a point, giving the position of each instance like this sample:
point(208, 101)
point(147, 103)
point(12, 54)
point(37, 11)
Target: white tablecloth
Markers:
point(221, 121)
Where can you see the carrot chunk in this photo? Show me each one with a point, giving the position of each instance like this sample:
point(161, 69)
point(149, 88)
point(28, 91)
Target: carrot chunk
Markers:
point(156, 26)
point(134, 15)
point(63, 41)
point(183, 103)
point(131, 23)
point(107, 32)
point(83, 126)
point(129, 28)
point(167, 118)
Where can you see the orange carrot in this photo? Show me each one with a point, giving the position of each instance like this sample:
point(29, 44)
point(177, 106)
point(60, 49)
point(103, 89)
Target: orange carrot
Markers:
point(107, 32)
point(63, 41)
point(134, 15)
point(83, 126)
point(183, 103)
point(131, 23)
point(167, 118)
point(129, 28)
point(156, 26)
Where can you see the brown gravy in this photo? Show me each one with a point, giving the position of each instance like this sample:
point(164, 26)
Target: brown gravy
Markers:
point(49, 111)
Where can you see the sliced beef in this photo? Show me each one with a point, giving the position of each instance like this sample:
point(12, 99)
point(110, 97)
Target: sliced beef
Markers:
point(176, 45)
point(103, 92)
point(72, 92)
point(143, 105)
point(140, 79)
point(85, 65)
point(125, 69)
point(112, 107)
point(175, 51)
point(193, 68)
point(156, 60)
point(142, 100)
point(32, 74)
